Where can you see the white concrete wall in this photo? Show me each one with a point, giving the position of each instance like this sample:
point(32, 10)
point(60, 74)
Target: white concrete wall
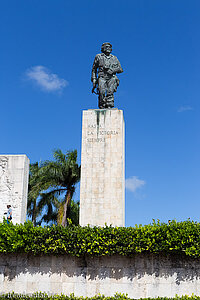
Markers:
point(139, 277)
point(102, 187)
point(14, 172)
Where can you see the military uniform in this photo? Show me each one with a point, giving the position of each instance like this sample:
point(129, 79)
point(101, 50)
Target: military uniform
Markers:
point(104, 72)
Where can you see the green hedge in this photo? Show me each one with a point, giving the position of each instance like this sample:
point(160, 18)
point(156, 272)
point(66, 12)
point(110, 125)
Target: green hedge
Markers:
point(174, 237)
point(72, 297)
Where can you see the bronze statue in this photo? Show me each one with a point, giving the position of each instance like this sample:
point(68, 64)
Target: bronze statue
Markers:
point(104, 79)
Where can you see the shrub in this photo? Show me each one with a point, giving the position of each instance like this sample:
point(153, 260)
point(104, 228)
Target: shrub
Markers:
point(170, 238)
point(99, 297)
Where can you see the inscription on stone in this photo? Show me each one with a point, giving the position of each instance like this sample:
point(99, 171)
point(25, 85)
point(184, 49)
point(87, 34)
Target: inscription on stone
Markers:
point(91, 140)
point(94, 126)
point(99, 131)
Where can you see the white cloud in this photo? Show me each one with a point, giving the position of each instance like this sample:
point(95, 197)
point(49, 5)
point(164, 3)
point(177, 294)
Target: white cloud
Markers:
point(45, 79)
point(184, 108)
point(133, 183)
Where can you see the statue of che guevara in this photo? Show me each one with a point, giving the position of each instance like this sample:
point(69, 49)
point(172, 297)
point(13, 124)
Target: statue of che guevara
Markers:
point(104, 79)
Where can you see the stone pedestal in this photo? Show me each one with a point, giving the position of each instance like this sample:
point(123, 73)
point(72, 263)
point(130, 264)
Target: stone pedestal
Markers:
point(102, 190)
point(14, 172)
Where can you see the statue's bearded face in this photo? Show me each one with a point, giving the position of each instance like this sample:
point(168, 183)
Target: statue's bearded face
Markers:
point(107, 49)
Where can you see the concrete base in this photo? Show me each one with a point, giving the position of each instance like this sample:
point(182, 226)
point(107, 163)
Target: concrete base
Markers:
point(102, 168)
point(140, 276)
point(14, 172)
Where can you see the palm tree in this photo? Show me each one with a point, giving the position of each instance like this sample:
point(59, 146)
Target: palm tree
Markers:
point(34, 187)
point(36, 199)
point(74, 212)
point(48, 205)
point(61, 176)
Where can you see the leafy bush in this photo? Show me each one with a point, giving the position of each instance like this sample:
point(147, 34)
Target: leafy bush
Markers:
point(99, 297)
point(174, 237)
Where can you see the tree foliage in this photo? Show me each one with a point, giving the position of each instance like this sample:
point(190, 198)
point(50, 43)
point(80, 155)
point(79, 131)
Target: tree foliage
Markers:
point(51, 188)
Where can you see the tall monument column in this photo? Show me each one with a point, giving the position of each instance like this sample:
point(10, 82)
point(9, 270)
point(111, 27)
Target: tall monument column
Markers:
point(102, 190)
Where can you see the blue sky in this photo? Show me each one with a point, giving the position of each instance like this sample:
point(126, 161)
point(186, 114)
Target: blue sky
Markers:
point(47, 51)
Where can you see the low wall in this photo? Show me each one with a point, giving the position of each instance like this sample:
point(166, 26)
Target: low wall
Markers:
point(140, 276)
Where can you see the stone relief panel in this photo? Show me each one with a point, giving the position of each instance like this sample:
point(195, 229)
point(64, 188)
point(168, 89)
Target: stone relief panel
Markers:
point(13, 186)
